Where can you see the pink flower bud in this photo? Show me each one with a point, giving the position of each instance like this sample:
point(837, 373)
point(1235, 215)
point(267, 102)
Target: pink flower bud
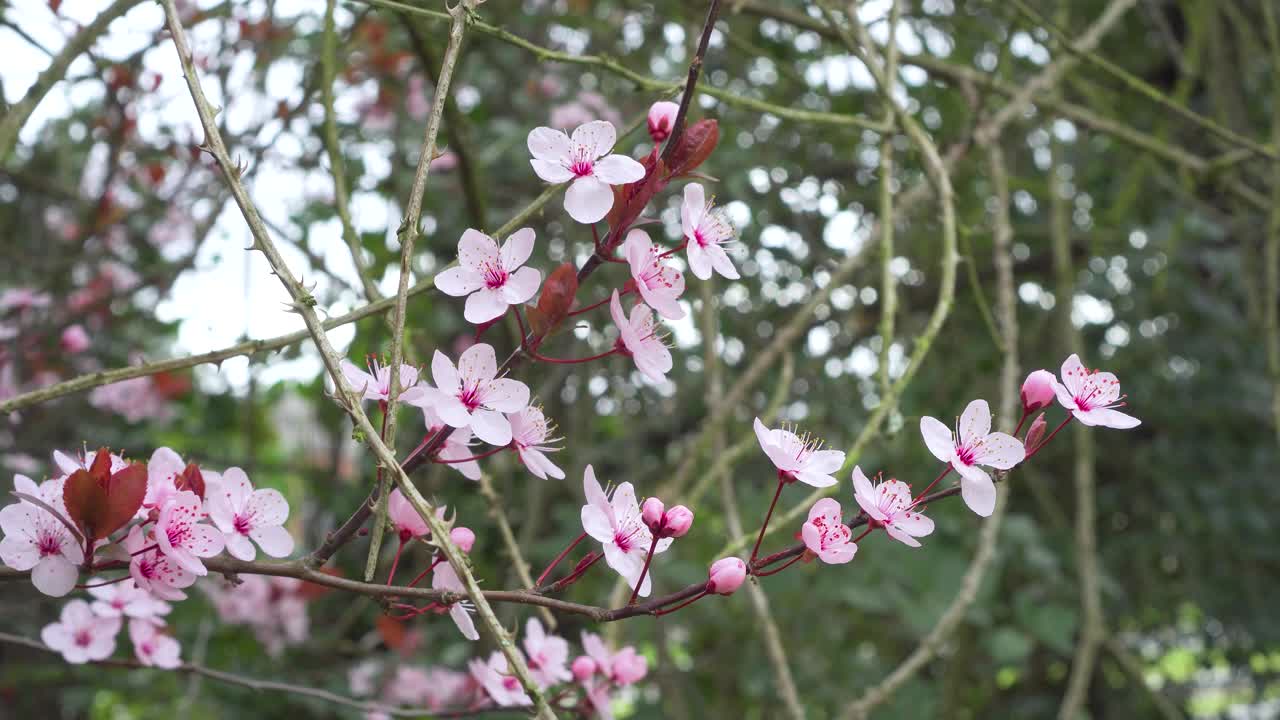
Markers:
point(1038, 391)
point(583, 668)
point(463, 538)
point(677, 521)
point(662, 117)
point(75, 339)
point(1035, 433)
point(726, 575)
point(629, 666)
point(651, 513)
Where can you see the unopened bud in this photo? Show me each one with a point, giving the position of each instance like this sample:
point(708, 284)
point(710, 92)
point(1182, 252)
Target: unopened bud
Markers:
point(463, 538)
point(583, 668)
point(1038, 391)
point(677, 521)
point(726, 575)
point(1034, 433)
point(651, 513)
point(662, 117)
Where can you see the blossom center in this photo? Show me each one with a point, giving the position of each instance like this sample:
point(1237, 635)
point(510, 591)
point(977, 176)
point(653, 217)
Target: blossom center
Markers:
point(622, 539)
point(494, 276)
point(83, 638)
point(965, 455)
point(48, 544)
point(510, 684)
point(243, 524)
point(177, 534)
point(470, 397)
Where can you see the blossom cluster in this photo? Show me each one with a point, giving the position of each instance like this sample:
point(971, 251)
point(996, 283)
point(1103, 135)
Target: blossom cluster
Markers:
point(155, 521)
point(599, 674)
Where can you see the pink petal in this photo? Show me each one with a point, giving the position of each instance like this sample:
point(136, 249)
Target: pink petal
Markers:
point(975, 422)
point(618, 170)
point(700, 262)
point(838, 554)
point(654, 361)
point(864, 493)
point(521, 286)
point(506, 395)
point(205, 541)
point(815, 479)
point(597, 137)
point(451, 410)
point(359, 380)
point(812, 537)
point(721, 262)
point(235, 486)
point(477, 250)
point(220, 510)
point(595, 495)
point(901, 536)
point(978, 491)
point(268, 507)
point(692, 209)
point(588, 200)
point(615, 311)
point(18, 552)
point(239, 547)
point(937, 437)
point(478, 363)
point(825, 461)
point(463, 620)
point(491, 427)
point(548, 144)
point(458, 281)
point(913, 523)
point(827, 509)
point(444, 373)
point(552, 171)
point(274, 540)
point(596, 524)
point(1001, 451)
point(1073, 374)
point(1107, 418)
point(54, 576)
point(1065, 398)
point(517, 249)
point(484, 305)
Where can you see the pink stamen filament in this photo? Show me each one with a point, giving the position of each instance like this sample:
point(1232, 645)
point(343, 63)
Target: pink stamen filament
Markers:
point(481, 456)
point(648, 558)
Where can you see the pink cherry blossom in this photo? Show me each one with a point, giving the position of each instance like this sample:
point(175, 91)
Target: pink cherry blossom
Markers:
point(273, 607)
point(244, 514)
point(1038, 391)
point(617, 524)
point(80, 635)
point(407, 521)
point(660, 284)
point(530, 434)
point(376, 383)
point(585, 160)
point(68, 464)
point(726, 575)
point(501, 686)
point(153, 646)
point(163, 469)
point(662, 118)
point(153, 571)
point(548, 655)
point(444, 577)
point(456, 447)
point(638, 337)
point(182, 537)
point(799, 458)
point(135, 400)
point(74, 339)
point(583, 668)
point(125, 599)
point(1092, 396)
point(826, 536)
point(974, 445)
point(463, 537)
point(889, 504)
point(472, 395)
point(625, 667)
point(491, 279)
point(706, 229)
point(35, 540)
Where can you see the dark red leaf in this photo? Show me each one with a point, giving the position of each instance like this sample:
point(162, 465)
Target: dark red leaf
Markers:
point(100, 503)
point(694, 146)
point(556, 300)
point(190, 479)
point(86, 502)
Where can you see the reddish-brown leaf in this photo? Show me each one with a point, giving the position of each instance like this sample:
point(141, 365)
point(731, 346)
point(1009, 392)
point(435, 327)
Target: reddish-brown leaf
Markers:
point(190, 479)
point(694, 147)
point(556, 300)
point(86, 502)
point(393, 632)
point(125, 492)
point(99, 502)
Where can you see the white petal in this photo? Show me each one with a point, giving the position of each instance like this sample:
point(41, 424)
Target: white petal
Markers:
point(444, 373)
point(477, 250)
point(491, 427)
point(596, 524)
point(268, 507)
point(721, 262)
point(937, 437)
point(552, 171)
point(1073, 374)
point(692, 209)
point(548, 144)
point(506, 395)
point(978, 491)
point(975, 422)
point(588, 200)
point(1001, 451)
point(517, 249)
point(274, 540)
point(618, 170)
point(462, 619)
point(54, 576)
point(478, 362)
point(597, 137)
point(458, 281)
point(239, 547)
point(484, 305)
point(700, 262)
point(1107, 418)
point(521, 286)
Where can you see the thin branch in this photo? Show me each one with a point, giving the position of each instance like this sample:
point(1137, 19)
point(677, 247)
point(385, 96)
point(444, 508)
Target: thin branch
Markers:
point(1271, 253)
point(303, 304)
point(337, 164)
point(695, 69)
point(16, 115)
point(497, 511)
point(888, 281)
point(641, 82)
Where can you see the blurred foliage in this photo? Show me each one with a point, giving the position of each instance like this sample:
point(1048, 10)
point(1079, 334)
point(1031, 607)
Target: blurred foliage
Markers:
point(1168, 295)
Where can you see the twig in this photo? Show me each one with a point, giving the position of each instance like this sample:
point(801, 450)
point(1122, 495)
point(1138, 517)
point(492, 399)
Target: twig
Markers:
point(888, 282)
point(303, 305)
point(337, 164)
point(1271, 254)
point(695, 69)
point(15, 116)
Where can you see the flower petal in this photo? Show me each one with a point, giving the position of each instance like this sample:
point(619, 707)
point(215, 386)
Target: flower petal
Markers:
point(54, 576)
point(1073, 374)
point(937, 437)
point(588, 200)
point(484, 305)
point(491, 427)
point(1107, 418)
point(548, 144)
point(838, 554)
point(506, 395)
point(978, 491)
point(444, 373)
point(827, 509)
point(692, 209)
point(865, 495)
point(975, 422)
point(901, 536)
point(476, 251)
point(1000, 451)
point(521, 286)
point(478, 362)
point(239, 547)
point(458, 281)
point(700, 261)
point(596, 524)
point(618, 170)
point(596, 137)
point(553, 172)
point(517, 248)
point(273, 539)
point(815, 479)
point(268, 507)
point(721, 262)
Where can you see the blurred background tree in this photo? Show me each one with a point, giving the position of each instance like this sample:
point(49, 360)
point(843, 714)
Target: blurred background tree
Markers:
point(1148, 162)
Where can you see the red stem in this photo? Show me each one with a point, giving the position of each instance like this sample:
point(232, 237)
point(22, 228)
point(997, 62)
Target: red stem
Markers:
point(395, 562)
point(571, 361)
point(481, 456)
point(777, 493)
point(558, 558)
point(572, 577)
point(643, 571)
point(684, 604)
point(780, 568)
point(595, 305)
point(864, 533)
point(148, 548)
point(105, 582)
point(1021, 420)
point(941, 475)
point(684, 244)
point(423, 574)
